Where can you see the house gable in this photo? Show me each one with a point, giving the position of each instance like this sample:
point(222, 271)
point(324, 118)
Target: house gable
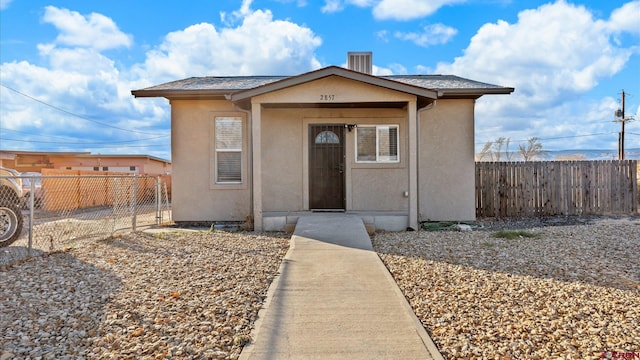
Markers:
point(424, 95)
point(333, 90)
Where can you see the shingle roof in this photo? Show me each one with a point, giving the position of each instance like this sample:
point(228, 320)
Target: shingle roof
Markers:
point(445, 85)
point(441, 82)
point(226, 83)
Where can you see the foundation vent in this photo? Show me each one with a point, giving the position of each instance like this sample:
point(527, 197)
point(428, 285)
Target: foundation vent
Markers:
point(360, 61)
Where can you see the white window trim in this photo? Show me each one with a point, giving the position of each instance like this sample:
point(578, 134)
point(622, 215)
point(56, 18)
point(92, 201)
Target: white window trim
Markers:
point(228, 185)
point(378, 161)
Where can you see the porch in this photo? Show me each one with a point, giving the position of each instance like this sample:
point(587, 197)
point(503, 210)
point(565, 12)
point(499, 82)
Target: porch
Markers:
point(373, 220)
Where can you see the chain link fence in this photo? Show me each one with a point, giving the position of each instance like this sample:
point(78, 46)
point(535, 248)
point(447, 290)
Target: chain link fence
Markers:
point(40, 214)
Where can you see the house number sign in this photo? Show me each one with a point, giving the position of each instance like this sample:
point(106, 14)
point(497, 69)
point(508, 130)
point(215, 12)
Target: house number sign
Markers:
point(327, 97)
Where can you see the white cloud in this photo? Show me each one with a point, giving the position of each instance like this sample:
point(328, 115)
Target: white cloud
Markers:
point(550, 50)
point(76, 76)
point(398, 69)
point(332, 6)
point(260, 45)
point(552, 55)
point(94, 30)
point(245, 9)
point(299, 3)
point(626, 18)
point(380, 71)
point(76, 88)
point(391, 9)
point(4, 4)
point(432, 35)
point(409, 9)
point(383, 35)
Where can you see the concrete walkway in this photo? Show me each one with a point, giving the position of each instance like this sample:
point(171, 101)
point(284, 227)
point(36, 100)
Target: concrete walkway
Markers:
point(334, 299)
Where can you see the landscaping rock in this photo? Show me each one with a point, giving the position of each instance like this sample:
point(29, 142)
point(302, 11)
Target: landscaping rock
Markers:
point(572, 292)
point(168, 295)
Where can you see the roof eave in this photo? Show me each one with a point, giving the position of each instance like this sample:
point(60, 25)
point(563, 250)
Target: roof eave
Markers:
point(182, 94)
point(473, 93)
point(148, 157)
point(26, 152)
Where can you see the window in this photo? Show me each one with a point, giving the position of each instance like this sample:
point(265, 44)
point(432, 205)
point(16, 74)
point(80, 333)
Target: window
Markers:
point(132, 168)
point(327, 137)
point(228, 150)
point(377, 143)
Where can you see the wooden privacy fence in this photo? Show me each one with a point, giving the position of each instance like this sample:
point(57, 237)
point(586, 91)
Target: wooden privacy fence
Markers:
point(547, 188)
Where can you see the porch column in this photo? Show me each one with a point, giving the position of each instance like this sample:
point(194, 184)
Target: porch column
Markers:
point(412, 108)
point(256, 147)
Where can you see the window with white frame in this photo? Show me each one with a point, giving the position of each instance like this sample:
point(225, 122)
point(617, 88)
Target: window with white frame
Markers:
point(377, 144)
point(228, 150)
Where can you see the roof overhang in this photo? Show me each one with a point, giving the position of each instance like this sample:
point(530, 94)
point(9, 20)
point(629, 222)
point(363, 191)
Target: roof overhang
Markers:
point(124, 156)
point(53, 153)
point(182, 94)
point(472, 93)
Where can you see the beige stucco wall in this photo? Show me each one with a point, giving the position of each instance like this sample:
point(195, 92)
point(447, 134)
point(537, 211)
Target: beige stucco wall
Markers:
point(195, 195)
point(446, 162)
point(285, 173)
point(332, 89)
point(372, 187)
point(282, 174)
point(446, 186)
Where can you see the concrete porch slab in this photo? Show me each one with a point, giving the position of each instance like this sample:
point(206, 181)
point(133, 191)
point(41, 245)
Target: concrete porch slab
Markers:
point(374, 220)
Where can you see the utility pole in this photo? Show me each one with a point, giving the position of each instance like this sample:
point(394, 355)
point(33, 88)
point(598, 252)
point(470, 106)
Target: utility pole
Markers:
point(622, 120)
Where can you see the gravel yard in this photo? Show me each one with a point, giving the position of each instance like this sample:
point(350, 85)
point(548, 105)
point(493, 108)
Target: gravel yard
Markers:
point(139, 296)
point(572, 292)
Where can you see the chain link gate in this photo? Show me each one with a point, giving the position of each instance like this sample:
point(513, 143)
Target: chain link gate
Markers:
point(40, 214)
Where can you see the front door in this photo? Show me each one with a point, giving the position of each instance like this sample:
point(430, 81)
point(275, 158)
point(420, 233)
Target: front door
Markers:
point(326, 167)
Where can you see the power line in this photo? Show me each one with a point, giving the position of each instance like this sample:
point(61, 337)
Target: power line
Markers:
point(131, 146)
point(93, 148)
point(572, 136)
point(558, 137)
point(68, 138)
point(28, 133)
point(73, 114)
point(83, 143)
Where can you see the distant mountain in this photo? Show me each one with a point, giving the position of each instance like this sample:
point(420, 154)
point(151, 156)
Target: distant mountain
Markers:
point(591, 154)
point(578, 154)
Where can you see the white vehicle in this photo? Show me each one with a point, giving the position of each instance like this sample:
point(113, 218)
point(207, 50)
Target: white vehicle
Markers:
point(10, 201)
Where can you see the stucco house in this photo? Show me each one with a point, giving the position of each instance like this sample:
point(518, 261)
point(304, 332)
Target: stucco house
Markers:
point(395, 150)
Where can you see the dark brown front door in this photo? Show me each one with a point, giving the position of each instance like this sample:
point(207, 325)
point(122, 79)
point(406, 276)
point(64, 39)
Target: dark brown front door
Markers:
point(326, 167)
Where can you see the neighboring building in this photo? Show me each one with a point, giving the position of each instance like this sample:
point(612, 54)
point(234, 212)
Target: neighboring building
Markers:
point(396, 150)
point(35, 161)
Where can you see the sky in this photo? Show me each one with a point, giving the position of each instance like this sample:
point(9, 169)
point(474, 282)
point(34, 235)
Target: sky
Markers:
point(67, 67)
